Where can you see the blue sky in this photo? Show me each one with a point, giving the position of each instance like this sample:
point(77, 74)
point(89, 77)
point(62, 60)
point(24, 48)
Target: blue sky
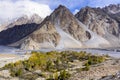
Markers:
point(11, 9)
point(77, 4)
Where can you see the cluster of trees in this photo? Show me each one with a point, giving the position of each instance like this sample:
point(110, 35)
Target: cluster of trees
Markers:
point(92, 60)
point(64, 75)
point(52, 62)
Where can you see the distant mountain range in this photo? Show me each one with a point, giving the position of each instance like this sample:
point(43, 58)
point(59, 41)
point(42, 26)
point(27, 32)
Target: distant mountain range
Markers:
point(89, 28)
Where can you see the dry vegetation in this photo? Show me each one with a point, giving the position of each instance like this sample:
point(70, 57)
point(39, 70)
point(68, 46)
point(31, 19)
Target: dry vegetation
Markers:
point(52, 65)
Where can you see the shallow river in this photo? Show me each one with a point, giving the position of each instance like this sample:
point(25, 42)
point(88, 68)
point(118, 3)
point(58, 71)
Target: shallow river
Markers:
point(110, 52)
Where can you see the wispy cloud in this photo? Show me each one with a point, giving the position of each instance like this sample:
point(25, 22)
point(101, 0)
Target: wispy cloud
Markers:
point(77, 4)
point(10, 9)
point(16, 8)
point(71, 4)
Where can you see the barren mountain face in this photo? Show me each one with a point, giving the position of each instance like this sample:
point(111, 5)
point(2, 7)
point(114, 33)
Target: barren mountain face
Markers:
point(60, 28)
point(22, 20)
point(113, 11)
point(89, 28)
point(45, 36)
point(64, 19)
point(98, 20)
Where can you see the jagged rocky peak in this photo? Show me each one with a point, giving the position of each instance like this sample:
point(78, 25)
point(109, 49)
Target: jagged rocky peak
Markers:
point(24, 17)
point(112, 8)
point(113, 11)
point(19, 21)
point(28, 19)
point(22, 20)
point(61, 13)
point(59, 30)
point(19, 29)
point(98, 21)
point(35, 18)
point(88, 12)
point(93, 29)
point(64, 19)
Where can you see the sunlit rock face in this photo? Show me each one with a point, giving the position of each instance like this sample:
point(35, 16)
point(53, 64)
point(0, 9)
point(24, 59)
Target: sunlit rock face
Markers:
point(89, 28)
point(99, 21)
point(21, 20)
point(60, 30)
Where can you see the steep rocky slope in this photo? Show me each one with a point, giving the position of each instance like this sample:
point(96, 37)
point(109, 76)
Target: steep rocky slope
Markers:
point(113, 11)
point(22, 20)
point(64, 19)
point(112, 8)
point(45, 36)
point(59, 30)
point(71, 33)
point(18, 29)
point(98, 21)
point(16, 33)
point(63, 30)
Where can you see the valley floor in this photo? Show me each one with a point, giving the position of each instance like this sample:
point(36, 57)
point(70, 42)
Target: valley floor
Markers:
point(110, 67)
point(107, 68)
point(9, 58)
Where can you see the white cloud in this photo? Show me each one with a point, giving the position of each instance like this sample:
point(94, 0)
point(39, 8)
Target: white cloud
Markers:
point(10, 9)
point(15, 8)
point(76, 11)
point(77, 4)
point(71, 4)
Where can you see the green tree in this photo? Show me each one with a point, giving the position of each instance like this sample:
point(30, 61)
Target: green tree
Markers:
point(64, 75)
